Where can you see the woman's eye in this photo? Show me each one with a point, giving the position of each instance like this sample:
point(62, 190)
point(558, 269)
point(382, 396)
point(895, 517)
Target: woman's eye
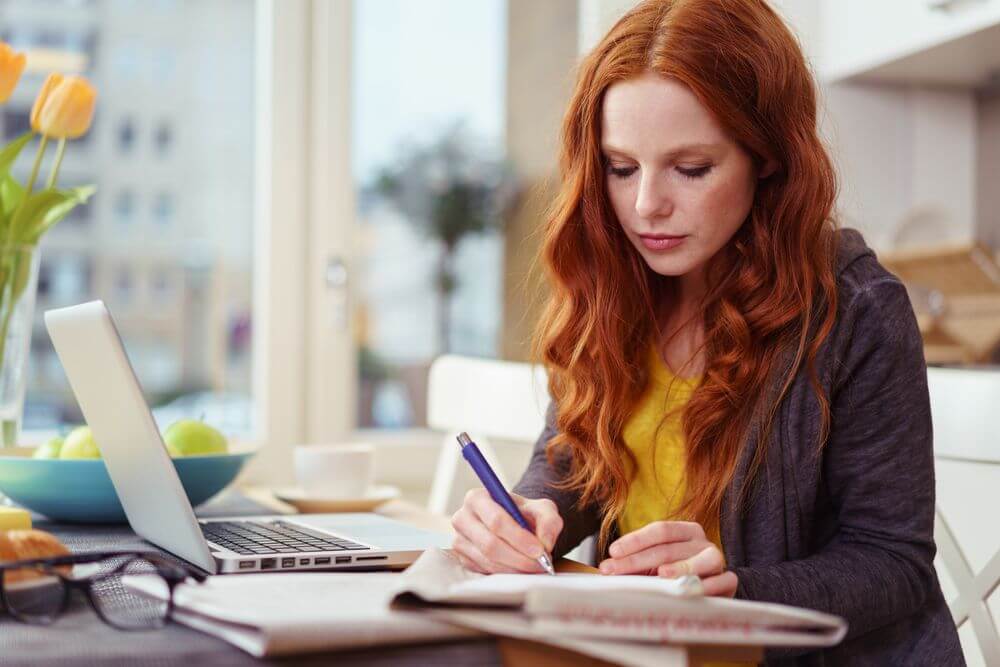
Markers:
point(621, 172)
point(694, 172)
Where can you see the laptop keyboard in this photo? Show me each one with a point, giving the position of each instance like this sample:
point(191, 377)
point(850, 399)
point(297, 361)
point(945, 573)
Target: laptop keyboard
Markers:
point(273, 537)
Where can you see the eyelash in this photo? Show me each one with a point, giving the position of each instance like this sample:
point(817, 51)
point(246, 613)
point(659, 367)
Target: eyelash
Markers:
point(697, 172)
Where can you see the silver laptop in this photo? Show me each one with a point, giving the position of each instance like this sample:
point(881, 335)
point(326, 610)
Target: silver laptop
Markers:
point(91, 351)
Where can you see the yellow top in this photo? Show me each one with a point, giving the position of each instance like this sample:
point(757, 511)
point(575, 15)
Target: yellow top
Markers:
point(654, 435)
point(654, 427)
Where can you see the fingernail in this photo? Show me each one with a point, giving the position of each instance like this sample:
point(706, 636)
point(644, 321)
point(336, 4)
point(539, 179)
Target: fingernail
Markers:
point(668, 572)
point(615, 550)
point(606, 568)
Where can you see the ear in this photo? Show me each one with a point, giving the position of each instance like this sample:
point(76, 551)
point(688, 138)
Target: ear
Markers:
point(769, 168)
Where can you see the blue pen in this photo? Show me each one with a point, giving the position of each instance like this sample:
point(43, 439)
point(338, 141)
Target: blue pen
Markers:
point(497, 492)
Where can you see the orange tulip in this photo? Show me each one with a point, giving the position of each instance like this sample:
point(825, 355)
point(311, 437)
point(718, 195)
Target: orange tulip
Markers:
point(51, 81)
point(64, 108)
point(11, 67)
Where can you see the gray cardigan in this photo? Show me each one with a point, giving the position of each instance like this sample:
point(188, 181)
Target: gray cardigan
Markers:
point(848, 531)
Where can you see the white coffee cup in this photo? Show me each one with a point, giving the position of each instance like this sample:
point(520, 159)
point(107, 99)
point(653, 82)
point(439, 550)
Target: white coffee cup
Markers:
point(335, 471)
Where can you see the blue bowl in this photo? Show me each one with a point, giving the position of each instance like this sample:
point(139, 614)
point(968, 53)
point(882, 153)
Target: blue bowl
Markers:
point(80, 490)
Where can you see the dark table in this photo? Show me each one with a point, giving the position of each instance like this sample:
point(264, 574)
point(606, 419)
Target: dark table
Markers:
point(80, 638)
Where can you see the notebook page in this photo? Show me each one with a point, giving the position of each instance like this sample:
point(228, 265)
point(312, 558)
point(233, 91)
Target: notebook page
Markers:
point(487, 587)
point(437, 576)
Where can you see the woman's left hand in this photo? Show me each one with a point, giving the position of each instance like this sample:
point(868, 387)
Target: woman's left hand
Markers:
point(672, 549)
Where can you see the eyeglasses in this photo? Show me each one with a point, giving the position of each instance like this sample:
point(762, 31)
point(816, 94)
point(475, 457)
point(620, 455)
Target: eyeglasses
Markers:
point(38, 591)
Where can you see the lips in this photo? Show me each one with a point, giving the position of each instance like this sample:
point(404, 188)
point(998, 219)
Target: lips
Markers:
point(661, 241)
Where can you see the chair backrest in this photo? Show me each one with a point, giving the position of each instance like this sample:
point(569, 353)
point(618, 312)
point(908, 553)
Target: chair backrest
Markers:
point(967, 467)
point(964, 404)
point(491, 400)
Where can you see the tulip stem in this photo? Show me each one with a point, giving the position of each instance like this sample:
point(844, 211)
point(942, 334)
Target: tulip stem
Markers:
point(27, 188)
point(34, 169)
point(55, 167)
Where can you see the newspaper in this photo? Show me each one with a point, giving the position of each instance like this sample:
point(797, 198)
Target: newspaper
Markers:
point(629, 620)
point(275, 614)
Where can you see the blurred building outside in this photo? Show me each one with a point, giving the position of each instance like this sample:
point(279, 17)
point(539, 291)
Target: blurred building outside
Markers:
point(166, 241)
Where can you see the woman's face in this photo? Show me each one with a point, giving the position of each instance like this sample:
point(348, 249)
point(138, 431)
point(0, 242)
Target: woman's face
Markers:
point(679, 184)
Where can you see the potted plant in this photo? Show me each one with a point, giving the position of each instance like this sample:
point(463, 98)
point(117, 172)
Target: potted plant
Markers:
point(63, 110)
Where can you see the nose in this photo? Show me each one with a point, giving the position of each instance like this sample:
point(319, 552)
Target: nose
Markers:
point(652, 199)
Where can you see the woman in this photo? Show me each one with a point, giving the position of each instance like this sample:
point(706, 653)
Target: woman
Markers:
point(739, 389)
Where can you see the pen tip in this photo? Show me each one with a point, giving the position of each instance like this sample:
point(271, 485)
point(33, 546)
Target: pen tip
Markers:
point(547, 563)
point(464, 439)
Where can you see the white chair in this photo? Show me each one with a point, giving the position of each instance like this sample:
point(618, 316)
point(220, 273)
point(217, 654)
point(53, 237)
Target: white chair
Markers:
point(964, 408)
point(491, 400)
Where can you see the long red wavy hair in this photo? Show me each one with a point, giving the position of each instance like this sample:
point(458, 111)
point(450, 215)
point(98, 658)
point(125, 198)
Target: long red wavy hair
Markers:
point(771, 293)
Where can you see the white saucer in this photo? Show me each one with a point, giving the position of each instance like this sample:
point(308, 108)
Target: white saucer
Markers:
point(313, 504)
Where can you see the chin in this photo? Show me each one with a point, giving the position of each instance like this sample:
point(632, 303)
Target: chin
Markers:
point(669, 266)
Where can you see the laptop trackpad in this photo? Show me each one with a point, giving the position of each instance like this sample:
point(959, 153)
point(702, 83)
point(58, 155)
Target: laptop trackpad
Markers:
point(375, 530)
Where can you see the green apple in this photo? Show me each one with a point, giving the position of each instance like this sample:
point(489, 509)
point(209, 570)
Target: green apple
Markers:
point(80, 444)
point(49, 449)
point(190, 437)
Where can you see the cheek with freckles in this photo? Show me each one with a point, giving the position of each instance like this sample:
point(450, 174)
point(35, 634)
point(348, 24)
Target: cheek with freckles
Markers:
point(710, 211)
point(719, 212)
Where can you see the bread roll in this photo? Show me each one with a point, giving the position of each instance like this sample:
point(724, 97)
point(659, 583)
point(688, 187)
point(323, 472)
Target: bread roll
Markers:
point(27, 545)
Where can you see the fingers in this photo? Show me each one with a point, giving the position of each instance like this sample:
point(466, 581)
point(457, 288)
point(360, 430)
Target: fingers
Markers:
point(494, 547)
point(658, 532)
point(543, 514)
point(648, 560)
point(721, 585)
point(499, 523)
point(491, 541)
point(472, 558)
point(706, 563)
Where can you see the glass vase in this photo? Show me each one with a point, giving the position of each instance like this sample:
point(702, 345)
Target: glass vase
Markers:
point(18, 283)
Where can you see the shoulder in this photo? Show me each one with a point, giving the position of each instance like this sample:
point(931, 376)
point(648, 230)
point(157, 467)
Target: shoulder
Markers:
point(875, 318)
point(858, 270)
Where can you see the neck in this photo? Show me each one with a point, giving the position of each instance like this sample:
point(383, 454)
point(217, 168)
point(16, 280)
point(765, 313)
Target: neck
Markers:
point(680, 326)
point(690, 290)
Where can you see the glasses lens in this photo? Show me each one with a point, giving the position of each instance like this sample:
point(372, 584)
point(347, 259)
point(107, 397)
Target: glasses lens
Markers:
point(139, 605)
point(33, 594)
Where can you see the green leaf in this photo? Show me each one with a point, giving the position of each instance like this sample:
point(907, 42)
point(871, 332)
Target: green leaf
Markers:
point(10, 152)
point(32, 211)
point(11, 194)
point(52, 211)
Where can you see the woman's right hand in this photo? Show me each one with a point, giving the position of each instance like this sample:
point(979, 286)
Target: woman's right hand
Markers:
point(488, 540)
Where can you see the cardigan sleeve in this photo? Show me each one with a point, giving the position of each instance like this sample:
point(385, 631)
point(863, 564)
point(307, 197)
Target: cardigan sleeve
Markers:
point(878, 466)
point(539, 480)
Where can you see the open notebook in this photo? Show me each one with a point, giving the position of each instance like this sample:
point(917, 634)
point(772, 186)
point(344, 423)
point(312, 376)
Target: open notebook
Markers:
point(620, 618)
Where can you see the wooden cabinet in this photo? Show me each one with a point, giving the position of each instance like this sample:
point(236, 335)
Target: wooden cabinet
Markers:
point(936, 42)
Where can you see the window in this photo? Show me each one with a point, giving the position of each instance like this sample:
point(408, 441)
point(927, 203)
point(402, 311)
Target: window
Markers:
point(163, 209)
point(70, 278)
point(161, 286)
point(49, 38)
point(126, 135)
point(433, 102)
point(15, 122)
point(137, 123)
point(81, 216)
point(163, 138)
point(125, 206)
point(124, 286)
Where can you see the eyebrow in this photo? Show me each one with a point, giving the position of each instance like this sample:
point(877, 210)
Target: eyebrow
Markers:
point(679, 150)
